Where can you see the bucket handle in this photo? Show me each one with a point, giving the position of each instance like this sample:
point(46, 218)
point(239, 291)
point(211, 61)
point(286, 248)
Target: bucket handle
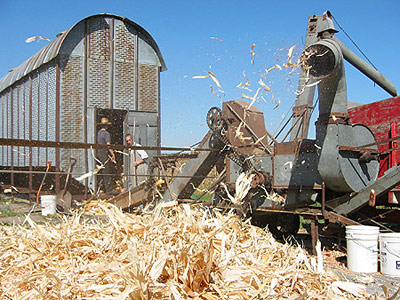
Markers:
point(358, 243)
point(390, 251)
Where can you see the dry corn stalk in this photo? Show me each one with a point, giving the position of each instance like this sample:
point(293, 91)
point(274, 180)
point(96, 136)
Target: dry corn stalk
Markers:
point(173, 252)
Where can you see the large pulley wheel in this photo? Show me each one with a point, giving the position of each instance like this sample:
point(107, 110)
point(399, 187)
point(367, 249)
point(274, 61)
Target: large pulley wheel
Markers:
point(215, 142)
point(214, 118)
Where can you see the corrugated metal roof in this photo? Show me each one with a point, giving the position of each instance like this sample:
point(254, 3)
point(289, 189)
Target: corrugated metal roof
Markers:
point(50, 51)
point(45, 55)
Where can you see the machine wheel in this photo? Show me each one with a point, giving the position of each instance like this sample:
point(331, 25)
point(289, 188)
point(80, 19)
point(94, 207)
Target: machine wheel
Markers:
point(215, 142)
point(214, 118)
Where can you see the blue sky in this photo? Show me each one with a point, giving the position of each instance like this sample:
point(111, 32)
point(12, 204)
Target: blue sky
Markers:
point(196, 37)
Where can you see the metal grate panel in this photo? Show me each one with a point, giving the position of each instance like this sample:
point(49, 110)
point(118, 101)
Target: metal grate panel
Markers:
point(125, 85)
point(124, 43)
point(72, 120)
point(9, 111)
point(99, 83)
point(35, 126)
point(27, 117)
point(5, 126)
point(148, 88)
point(15, 121)
point(52, 110)
point(21, 123)
point(2, 107)
point(42, 114)
point(99, 39)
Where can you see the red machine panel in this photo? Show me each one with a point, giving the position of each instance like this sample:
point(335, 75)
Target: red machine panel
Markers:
point(383, 118)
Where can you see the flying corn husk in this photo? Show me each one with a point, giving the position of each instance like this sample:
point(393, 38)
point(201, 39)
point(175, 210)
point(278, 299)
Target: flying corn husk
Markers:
point(252, 53)
point(289, 55)
point(260, 139)
point(277, 104)
point(312, 84)
point(266, 87)
point(242, 187)
point(122, 152)
point(200, 76)
point(254, 98)
point(36, 37)
point(20, 153)
point(273, 67)
point(239, 134)
point(214, 79)
point(243, 85)
point(244, 96)
point(290, 52)
point(89, 174)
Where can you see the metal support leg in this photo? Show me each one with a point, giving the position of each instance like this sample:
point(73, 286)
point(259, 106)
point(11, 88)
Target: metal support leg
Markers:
point(314, 234)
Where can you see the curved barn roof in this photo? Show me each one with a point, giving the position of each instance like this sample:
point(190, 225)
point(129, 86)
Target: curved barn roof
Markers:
point(50, 51)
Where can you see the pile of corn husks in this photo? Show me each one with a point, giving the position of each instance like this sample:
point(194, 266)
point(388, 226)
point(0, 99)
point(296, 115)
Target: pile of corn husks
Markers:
point(173, 252)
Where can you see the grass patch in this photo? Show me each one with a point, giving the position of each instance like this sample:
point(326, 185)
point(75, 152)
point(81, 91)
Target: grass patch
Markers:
point(206, 197)
point(6, 209)
point(306, 223)
point(4, 199)
point(207, 182)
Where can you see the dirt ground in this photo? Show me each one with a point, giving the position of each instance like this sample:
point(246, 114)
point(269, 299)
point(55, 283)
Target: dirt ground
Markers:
point(14, 212)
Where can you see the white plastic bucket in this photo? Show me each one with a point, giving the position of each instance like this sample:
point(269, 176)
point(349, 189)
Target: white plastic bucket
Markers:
point(389, 245)
point(48, 204)
point(362, 248)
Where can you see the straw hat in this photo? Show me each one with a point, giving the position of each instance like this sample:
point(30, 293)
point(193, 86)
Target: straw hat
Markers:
point(104, 121)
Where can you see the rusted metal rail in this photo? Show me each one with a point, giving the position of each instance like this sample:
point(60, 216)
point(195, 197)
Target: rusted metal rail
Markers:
point(71, 145)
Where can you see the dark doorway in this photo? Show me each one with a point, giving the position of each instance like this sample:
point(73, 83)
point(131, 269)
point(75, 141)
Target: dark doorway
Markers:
point(117, 118)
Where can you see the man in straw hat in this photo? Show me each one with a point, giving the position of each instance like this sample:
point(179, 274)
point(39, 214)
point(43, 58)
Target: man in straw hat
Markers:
point(105, 156)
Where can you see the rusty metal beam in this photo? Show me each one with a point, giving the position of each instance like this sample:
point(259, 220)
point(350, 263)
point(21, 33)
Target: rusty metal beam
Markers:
point(78, 174)
point(358, 149)
point(69, 145)
point(336, 218)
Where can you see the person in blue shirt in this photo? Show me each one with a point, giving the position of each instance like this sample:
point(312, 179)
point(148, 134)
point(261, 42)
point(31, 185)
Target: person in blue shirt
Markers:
point(106, 157)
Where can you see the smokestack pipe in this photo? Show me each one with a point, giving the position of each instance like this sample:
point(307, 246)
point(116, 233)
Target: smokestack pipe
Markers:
point(366, 69)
